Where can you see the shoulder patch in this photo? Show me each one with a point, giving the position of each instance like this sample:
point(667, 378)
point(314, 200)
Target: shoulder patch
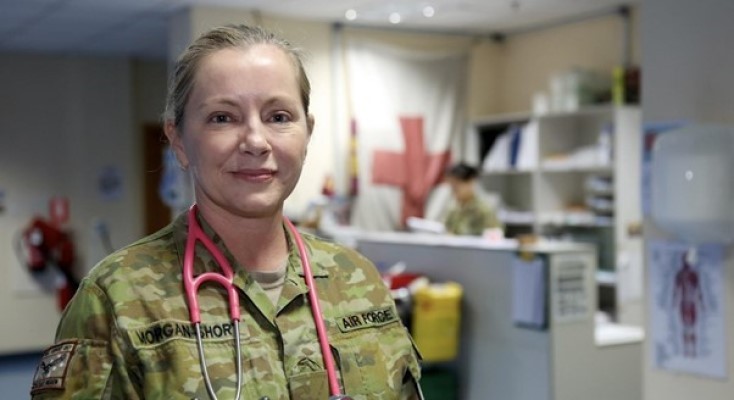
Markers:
point(366, 319)
point(51, 372)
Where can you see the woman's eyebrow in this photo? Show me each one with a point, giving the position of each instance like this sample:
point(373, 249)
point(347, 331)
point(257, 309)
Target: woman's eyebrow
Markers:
point(230, 101)
point(218, 101)
point(278, 98)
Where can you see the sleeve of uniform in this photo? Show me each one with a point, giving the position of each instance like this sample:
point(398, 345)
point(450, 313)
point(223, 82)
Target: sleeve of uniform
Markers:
point(410, 391)
point(87, 359)
point(412, 375)
point(411, 382)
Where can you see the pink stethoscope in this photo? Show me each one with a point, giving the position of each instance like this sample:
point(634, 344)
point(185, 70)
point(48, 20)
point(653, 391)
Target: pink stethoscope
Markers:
point(225, 278)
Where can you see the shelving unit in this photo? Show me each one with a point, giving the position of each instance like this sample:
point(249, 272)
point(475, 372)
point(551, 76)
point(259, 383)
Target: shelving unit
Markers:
point(579, 180)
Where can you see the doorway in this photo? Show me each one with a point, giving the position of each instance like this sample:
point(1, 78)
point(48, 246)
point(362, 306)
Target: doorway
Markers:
point(157, 214)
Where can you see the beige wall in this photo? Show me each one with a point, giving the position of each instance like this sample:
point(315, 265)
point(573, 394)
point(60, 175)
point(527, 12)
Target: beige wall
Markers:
point(63, 119)
point(149, 91)
point(484, 79)
point(528, 60)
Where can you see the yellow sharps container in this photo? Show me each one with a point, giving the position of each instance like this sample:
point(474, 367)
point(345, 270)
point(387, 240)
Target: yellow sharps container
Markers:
point(436, 320)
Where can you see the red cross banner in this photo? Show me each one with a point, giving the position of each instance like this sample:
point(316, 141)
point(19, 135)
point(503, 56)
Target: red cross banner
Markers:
point(409, 107)
point(414, 171)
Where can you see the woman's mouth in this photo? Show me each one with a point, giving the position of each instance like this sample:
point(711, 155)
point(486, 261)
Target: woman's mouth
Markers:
point(258, 175)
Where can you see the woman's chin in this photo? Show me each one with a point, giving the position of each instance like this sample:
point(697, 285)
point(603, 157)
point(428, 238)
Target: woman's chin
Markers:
point(256, 209)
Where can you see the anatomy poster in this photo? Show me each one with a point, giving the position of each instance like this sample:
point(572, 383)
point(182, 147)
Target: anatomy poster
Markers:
point(686, 308)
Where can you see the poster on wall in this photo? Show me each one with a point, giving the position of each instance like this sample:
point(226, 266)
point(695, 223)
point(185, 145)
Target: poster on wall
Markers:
point(687, 308)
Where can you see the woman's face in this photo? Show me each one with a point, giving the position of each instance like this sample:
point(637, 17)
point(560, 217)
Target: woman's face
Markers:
point(463, 190)
point(244, 132)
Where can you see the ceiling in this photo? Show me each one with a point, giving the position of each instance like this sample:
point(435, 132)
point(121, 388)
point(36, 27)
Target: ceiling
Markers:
point(139, 28)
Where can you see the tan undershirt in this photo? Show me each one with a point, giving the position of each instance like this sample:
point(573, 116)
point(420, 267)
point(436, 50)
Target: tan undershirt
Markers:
point(271, 281)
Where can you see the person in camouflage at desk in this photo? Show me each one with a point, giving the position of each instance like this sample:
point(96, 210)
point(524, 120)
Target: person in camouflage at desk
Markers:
point(470, 216)
point(237, 118)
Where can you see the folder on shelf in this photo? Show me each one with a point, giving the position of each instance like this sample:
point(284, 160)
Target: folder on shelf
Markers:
point(515, 133)
point(498, 158)
point(514, 149)
point(527, 157)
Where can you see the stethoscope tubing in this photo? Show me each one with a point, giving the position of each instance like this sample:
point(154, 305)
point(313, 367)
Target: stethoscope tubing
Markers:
point(226, 279)
point(316, 312)
point(191, 287)
point(202, 361)
point(191, 284)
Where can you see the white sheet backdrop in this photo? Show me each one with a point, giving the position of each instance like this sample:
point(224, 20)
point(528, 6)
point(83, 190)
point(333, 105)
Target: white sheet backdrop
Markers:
point(387, 82)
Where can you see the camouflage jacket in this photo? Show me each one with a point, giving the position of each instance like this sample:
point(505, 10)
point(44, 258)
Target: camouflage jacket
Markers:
point(126, 334)
point(471, 218)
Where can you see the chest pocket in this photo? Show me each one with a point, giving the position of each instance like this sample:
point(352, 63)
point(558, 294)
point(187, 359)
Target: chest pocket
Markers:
point(374, 362)
point(172, 370)
point(309, 386)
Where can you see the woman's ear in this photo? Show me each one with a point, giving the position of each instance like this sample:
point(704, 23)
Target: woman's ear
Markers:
point(310, 121)
point(174, 138)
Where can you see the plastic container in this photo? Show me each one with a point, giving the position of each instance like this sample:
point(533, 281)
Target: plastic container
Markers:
point(436, 321)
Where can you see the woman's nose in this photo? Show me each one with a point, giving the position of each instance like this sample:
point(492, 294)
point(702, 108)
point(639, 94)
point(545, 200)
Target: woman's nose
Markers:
point(253, 139)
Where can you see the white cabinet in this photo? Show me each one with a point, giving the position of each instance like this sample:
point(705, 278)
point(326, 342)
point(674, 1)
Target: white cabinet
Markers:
point(570, 176)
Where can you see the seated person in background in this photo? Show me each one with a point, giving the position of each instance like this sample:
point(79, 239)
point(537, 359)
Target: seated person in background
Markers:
point(470, 216)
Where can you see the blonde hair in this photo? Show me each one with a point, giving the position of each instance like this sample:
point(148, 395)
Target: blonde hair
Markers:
point(229, 36)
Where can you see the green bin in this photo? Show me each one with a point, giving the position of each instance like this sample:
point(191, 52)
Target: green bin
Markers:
point(439, 383)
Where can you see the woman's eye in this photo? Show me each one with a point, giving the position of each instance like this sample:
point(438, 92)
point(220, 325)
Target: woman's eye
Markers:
point(220, 119)
point(280, 118)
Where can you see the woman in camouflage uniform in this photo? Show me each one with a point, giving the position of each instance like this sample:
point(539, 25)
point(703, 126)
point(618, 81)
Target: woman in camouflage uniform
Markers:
point(470, 216)
point(237, 118)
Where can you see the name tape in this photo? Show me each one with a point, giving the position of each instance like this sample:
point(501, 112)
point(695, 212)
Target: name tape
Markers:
point(165, 331)
point(366, 319)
